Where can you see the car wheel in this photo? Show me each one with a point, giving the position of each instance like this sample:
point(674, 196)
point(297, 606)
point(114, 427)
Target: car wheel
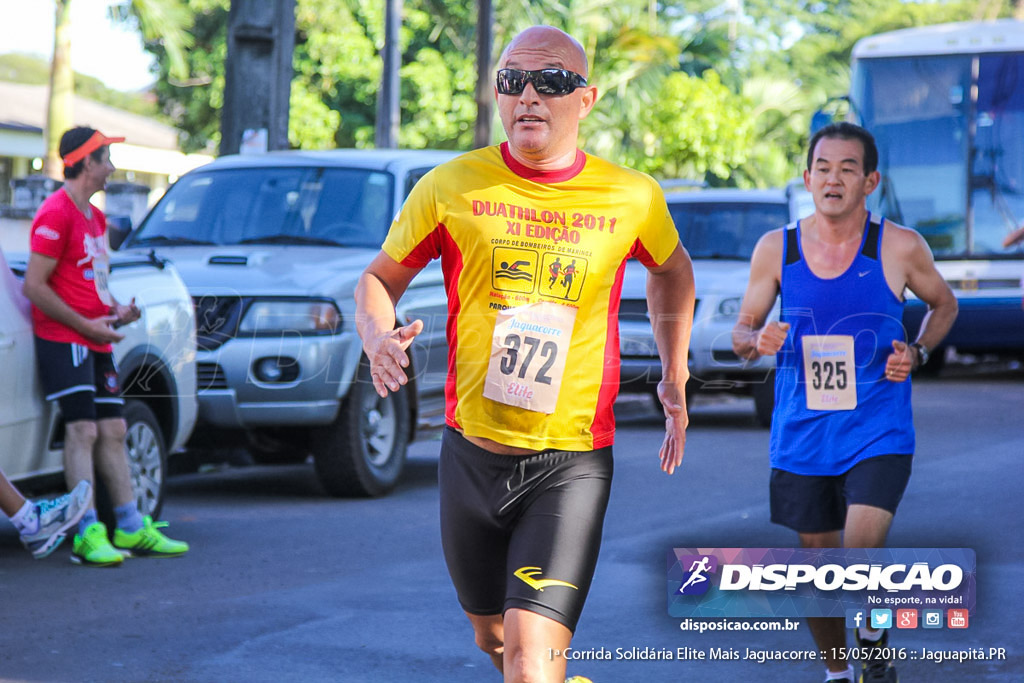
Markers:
point(147, 464)
point(764, 400)
point(363, 452)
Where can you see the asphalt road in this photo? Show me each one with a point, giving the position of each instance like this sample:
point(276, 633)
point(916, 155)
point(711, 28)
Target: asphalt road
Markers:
point(283, 584)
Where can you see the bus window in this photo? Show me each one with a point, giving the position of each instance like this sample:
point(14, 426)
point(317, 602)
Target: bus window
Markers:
point(916, 109)
point(997, 178)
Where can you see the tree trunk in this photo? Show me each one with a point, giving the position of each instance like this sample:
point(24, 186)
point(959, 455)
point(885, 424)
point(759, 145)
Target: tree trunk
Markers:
point(60, 103)
point(484, 79)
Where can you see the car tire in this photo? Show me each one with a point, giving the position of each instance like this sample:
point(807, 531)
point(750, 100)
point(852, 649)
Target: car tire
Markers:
point(362, 453)
point(147, 464)
point(764, 399)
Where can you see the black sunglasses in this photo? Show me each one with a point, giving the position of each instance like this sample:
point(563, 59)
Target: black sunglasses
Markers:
point(545, 81)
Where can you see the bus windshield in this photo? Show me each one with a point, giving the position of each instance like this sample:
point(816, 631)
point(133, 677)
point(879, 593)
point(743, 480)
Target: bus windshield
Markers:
point(950, 132)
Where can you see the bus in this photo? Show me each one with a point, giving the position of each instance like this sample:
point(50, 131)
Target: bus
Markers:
point(946, 106)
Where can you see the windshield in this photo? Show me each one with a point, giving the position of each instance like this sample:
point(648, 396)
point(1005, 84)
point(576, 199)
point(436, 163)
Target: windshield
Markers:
point(333, 206)
point(951, 168)
point(725, 229)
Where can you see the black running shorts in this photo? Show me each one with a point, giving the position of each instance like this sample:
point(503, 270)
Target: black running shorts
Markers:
point(82, 381)
point(522, 531)
point(810, 504)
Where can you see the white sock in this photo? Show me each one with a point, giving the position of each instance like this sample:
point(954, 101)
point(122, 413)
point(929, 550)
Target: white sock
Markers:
point(869, 634)
point(839, 675)
point(26, 520)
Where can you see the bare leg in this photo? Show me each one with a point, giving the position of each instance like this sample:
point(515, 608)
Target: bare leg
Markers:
point(829, 634)
point(79, 439)
point(111, 461)
point(489, 633)
point(10, 499)
point(866, 527)
point(530, 644)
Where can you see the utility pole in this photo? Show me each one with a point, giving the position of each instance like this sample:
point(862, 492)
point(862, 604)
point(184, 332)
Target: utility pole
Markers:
point(484, 84)
point(388, 99)
point(257, 76)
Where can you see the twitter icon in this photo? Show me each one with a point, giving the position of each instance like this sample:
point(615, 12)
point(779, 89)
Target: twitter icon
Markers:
point(881, 618)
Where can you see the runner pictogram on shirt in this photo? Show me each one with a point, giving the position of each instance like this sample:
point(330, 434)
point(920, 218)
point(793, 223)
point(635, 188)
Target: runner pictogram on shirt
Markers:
point(565, 276)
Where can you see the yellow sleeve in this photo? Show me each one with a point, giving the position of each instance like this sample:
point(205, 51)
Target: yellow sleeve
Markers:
point(414, 238)
point(658, 237)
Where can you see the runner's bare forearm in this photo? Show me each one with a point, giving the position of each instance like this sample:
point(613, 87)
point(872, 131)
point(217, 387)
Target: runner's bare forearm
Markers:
point(670, 301)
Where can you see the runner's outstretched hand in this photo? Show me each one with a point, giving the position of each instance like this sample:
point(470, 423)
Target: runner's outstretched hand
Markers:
point(673, 402)
point(388, 357)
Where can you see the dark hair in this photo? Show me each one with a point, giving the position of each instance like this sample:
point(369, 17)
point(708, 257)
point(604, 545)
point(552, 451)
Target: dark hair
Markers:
point(847, 131)
point(72, 140)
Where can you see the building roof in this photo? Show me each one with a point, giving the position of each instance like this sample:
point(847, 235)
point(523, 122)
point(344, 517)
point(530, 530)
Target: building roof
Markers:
point(23, 107)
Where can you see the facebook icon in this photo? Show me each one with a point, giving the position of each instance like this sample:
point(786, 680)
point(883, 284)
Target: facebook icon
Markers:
point(855, 618)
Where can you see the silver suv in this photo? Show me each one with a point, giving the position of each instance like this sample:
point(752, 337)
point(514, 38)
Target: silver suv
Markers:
point(270, 247)
point(719, 228)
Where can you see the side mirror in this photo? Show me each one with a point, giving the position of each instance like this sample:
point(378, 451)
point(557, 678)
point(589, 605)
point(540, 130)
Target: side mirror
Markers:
point(819, 120)
point(118, 229)
point(834, 109)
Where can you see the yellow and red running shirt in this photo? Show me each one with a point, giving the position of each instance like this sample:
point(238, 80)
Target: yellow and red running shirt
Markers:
point(533, 265)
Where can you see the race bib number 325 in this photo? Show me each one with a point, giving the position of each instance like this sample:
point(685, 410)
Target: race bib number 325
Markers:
point(830, 372)
point(528, 351)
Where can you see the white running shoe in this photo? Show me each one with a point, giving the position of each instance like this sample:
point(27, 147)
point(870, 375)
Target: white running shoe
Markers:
point(55, 518)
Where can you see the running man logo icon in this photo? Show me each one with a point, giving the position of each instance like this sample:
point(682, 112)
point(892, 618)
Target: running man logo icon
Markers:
point(527, 574)
point(698, 566)
point(563, 275)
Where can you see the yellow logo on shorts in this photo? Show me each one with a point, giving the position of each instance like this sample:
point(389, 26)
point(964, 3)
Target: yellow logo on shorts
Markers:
point(527, 574)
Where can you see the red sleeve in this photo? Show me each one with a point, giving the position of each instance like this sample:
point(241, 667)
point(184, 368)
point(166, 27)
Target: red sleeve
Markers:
point(49, 233)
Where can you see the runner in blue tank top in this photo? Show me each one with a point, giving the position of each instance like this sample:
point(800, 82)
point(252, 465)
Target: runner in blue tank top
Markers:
point(842, 431)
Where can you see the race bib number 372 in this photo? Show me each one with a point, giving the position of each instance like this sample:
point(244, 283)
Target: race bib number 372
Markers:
point(528, 351)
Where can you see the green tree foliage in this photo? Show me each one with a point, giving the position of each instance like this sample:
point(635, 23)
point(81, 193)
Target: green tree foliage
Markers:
point(687, 88)
point(161, 22)
point(194, 103)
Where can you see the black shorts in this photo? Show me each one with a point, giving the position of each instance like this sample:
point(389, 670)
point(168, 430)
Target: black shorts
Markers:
point(522, 531)
point(810, 504)
point(82, 381)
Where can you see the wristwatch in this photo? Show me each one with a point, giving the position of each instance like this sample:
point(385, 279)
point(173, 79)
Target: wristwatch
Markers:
point(922, 353)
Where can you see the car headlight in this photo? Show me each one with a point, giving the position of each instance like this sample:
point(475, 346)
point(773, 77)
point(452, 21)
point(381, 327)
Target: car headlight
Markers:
point(309, 317)
point(729, 308)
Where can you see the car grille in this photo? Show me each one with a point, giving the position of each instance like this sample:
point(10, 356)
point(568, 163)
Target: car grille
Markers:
point(217, 319)
point(210, 376)
point(635, 310)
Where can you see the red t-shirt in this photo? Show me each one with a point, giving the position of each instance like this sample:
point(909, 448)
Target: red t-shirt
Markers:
point(79, 244)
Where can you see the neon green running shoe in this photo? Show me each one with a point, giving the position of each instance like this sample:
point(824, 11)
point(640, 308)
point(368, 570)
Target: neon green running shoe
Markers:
point(149, 541)
point(93, 548)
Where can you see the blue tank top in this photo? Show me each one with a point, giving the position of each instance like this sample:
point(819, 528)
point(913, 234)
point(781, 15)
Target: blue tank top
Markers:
point(858, 303)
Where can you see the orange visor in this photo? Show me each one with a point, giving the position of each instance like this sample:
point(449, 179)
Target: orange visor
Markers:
point(97, 140)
